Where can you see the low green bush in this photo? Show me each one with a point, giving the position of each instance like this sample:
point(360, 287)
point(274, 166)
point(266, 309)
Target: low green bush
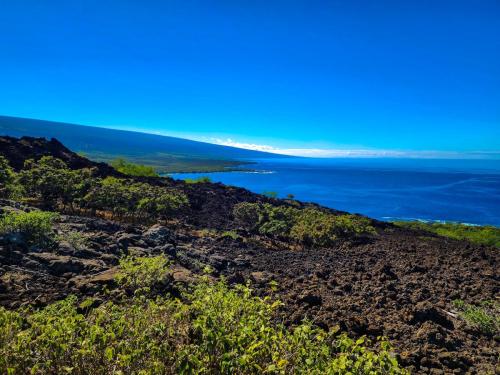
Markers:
point(141, 274)
point(277, 221)
point(218, 330)
point(309, 226)
point(76, 239)
point(484, 318)
point(247, 214)
point(486, 235)
point(318, 228)
point(32, 228)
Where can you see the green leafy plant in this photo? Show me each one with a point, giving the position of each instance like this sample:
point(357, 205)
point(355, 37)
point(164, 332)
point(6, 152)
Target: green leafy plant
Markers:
point(142, 273)
point(131, 169)
point(32, 228)
point(309, 226)
point(218, 330)
point(277, 221)
point(485, 317)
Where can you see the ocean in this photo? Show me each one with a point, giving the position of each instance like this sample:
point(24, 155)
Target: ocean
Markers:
point(465, 191)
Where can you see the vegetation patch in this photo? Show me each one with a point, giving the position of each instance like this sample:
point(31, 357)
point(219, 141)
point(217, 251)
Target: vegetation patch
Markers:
point(50, 182)
point(132, 169)
point(218, 330)
point(32, 228)
point(141, 274)
point(75, 239)
point(486, 235)
point(230, 234)
point(133, 200)
point(199, 180)
point(309, 226)
point(484, 318)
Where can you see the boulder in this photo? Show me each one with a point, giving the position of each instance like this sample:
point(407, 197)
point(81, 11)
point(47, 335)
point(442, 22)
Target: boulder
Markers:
point(158, 235)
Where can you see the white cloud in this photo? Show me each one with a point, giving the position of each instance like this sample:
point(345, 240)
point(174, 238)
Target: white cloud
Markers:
point(333, 153)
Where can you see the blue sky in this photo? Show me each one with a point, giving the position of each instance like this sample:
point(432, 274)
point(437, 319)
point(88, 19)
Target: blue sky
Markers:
point(308, 77)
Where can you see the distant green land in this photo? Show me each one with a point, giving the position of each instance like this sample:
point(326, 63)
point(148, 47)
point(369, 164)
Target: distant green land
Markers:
point(485, 235)
point(164, 163)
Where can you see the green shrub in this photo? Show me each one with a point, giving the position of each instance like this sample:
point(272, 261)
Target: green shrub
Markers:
point(486, 235)
point(219, 330)
point(8, 179)
point(142, 273)
point(309, 226)
point(52, 182)
point(247, 214)
point(75, 239)
point(230, 234)
point(277, 221)
point(318, 228)
point(58, 339)
point(484, 318)
point(32, 228)
point(125, 198)
point(131, 169)
point(199, 180)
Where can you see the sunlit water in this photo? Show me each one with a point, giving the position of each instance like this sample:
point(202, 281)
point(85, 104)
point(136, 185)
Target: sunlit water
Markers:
point(466, 191)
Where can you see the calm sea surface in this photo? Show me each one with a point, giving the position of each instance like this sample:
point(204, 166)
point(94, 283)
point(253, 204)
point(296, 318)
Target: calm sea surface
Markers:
point(466, 191)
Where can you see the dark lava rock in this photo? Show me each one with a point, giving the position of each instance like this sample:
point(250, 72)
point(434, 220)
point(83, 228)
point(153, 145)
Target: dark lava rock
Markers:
point(425, 311)
point(310, 299)
point(158, 235)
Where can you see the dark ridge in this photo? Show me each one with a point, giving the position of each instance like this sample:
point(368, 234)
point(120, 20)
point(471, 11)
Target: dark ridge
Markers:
point(18, 150)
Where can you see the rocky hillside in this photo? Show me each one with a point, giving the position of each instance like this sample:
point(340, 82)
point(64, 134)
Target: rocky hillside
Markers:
point(393, 282)
point(18, 150)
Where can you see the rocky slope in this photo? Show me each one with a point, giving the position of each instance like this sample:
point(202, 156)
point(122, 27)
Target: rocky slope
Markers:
point(400, 283)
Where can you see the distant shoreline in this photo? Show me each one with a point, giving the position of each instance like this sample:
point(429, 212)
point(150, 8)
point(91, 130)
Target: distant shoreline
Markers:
point(238, 168)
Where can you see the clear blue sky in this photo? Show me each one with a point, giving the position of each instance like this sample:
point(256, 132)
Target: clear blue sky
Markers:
point(388, 75)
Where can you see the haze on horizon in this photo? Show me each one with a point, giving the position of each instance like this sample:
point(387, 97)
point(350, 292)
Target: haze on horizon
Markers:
point(318, 78)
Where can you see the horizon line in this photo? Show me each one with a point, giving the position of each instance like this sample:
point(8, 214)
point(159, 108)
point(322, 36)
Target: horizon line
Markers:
point(324, 153)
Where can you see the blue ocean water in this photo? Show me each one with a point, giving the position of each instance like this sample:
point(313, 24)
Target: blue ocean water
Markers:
point(466, 191)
